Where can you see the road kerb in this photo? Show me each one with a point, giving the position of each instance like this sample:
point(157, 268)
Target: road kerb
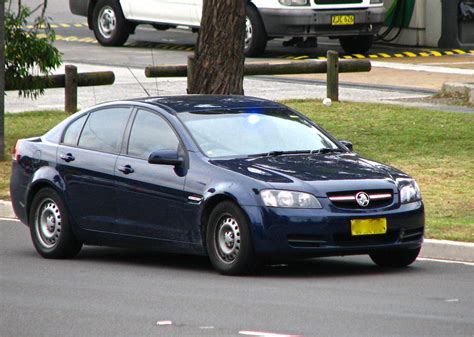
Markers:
point(433, 249)
point(448, 250)
point(6, 210)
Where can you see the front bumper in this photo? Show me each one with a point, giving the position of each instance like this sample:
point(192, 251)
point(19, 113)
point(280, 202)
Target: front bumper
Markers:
point(310, 22)
point(278, 232)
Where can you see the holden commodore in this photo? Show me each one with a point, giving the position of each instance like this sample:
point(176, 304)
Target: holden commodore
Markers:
point(242, 180)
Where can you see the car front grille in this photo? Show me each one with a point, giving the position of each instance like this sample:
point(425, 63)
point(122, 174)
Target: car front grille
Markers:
point(337, 2)
point(347, 199)
point(415, 234)
point(306, 241)
point(349, 240)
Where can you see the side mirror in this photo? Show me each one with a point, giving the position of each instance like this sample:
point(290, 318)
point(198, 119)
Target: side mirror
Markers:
point(165, 157)
point(347, 144)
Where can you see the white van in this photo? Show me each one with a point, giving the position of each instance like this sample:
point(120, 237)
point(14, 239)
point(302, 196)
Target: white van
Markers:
point(353, 22)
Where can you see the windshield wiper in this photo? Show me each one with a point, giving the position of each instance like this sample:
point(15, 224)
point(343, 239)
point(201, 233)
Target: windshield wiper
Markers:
point(277, 153)
point(327, 150)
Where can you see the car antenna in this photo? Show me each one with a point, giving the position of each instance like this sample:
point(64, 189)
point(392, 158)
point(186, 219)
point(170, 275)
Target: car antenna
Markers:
point(138, 81)
point(156, 79)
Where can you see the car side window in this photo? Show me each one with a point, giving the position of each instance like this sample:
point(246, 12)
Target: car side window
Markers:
point(104, 129)
point(73, 131)
point(150, 132)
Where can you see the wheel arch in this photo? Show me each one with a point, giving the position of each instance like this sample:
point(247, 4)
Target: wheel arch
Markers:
point(250, 3)
point(209, 205)
point(90, 11)
point(45, 180)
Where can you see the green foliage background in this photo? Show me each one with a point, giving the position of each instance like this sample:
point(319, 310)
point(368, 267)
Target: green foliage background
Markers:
point(29, 52)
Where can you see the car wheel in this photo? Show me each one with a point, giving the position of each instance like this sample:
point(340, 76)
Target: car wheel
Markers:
point(255, 34)
point(395, 258)
point(229, 243)
point(50, 227)
point(109, 25)
point(356, 44)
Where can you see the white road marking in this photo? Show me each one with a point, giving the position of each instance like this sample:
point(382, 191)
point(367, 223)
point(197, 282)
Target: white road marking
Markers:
point(264, 334)
point(446, 261)
point(451, 300)
point(9, 219)
point(444, 63)
point(417, 67)
point(164, 323)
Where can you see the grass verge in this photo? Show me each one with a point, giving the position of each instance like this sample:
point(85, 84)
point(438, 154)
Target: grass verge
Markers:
point(436, 148)
point(23, 125)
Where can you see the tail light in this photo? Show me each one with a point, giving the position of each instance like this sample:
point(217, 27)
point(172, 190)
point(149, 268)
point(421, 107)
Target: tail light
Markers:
point(15, 152)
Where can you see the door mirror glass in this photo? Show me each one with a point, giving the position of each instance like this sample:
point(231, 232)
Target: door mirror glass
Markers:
point(165, 157)
point(347, 144)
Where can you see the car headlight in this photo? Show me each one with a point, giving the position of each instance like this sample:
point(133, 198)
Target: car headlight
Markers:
point(289, 199)
point(409, 191)
point(294, 2)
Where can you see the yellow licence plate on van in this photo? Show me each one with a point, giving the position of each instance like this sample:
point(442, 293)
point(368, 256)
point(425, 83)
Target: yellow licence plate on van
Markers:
point(342, 20)
point(368, 226)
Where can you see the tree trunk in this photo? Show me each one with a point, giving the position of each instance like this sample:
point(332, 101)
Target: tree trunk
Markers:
point(219, 55)
point(2, 79)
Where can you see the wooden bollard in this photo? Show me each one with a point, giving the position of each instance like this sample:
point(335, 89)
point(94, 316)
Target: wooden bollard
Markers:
point(70, 89)
point(332, 77)
point(190, 71)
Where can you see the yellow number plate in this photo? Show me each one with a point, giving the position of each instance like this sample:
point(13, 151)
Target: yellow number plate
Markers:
point(342, 20)
point(369, 226)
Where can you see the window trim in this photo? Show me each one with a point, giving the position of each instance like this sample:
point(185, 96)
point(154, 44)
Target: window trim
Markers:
point(131, 108)
point(128, 134)
point(63, 135)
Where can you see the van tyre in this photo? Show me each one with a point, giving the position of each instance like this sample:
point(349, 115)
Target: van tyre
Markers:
point(50, 227)
point(356, 44)
point(109, 24)
point(228, 240)
point(255, 34)
point(395, 258)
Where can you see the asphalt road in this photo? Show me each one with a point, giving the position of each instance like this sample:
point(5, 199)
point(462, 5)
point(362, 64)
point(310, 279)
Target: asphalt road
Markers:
point(112, 292)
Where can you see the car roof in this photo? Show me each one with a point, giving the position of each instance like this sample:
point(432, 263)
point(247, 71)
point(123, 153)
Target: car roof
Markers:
point(196, 103)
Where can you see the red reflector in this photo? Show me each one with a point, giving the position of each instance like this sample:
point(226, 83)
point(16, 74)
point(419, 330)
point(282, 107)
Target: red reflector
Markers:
point(15, 154)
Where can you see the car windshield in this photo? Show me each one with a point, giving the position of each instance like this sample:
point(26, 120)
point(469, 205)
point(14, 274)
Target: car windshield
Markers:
point(253, 132)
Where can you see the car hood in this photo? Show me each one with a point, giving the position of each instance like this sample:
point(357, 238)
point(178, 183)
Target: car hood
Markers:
point(325, 172)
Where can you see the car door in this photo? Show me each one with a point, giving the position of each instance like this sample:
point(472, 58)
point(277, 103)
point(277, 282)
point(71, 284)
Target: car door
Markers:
point(86, 161)
point(179, 12)
point(150, 197)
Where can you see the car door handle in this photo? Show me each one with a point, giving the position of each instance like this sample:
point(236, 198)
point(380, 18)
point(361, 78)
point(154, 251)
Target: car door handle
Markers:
point(67, 157)
point(127, 169)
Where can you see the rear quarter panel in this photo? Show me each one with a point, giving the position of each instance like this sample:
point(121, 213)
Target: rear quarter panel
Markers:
point(35, 165)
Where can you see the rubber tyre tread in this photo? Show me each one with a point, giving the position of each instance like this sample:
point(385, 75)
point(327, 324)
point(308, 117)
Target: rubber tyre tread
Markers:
point(122, 30)
point(259, 39)
point(246, 262)
point(356, 44)
point(68, 245)
point(395, 258)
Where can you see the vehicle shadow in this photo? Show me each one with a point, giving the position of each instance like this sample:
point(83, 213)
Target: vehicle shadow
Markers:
point(317, 267)
point(144, 257)
point(332, 267)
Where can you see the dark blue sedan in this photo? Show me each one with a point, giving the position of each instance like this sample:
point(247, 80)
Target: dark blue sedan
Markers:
point(240, 179)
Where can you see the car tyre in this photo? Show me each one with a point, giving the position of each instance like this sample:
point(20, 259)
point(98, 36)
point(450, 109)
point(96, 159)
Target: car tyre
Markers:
point(395, 258)
point(109, 24)
point(50, 226)
point(228, 239)
point(356, 44)
point(255, 34)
